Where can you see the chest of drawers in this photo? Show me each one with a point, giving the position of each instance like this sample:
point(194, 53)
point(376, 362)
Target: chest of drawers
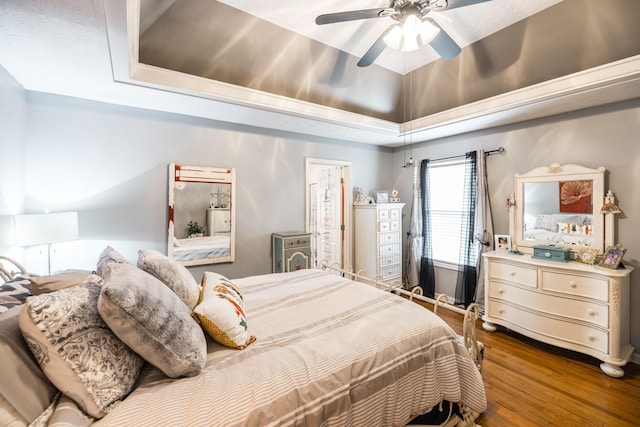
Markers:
point(378, 240)
point(291, 251)
point(580, 307)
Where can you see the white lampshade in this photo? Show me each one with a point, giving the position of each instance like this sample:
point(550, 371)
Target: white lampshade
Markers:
point(405, 37)
point(40, 229)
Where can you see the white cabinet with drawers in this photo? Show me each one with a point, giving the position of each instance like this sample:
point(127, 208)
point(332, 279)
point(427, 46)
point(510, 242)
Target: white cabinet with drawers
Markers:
point(580, 307)
point(378, 240)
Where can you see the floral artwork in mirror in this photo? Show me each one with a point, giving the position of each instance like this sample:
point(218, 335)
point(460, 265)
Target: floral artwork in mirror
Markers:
point(201, 214)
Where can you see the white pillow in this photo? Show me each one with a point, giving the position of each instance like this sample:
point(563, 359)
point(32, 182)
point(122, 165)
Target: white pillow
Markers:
point(221, 312)
point(75, 348)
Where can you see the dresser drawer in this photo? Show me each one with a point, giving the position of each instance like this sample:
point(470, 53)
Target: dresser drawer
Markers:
point(520, 274)
point(562, 330)
point(585, 311)
point(390, 273)
point(395, 214)
point(391, 237)
point(391, 249)
point(584, 286)
point(384, 226)
point(395, 225)
point(383, 215)
point(296, 242)
point(387, 261)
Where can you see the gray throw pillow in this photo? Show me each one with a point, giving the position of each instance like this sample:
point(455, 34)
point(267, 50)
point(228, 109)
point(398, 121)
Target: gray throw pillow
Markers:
point(108, 256)
point(171, 273)
point(152, 320)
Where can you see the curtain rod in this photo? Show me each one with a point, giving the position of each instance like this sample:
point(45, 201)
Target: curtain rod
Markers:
point(498, 150)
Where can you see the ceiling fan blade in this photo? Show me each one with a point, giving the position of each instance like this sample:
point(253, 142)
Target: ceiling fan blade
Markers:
point(454, 4)
point(374, 51)
point(353, 15)
point(446, 47)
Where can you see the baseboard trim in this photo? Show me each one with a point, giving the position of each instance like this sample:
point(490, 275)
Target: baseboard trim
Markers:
point(635, 358)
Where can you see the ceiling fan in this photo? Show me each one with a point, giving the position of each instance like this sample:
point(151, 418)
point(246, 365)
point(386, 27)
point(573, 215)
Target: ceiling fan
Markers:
point(412, 29)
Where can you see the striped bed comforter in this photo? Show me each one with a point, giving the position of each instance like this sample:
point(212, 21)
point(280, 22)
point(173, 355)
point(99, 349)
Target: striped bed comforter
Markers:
point(329, 351)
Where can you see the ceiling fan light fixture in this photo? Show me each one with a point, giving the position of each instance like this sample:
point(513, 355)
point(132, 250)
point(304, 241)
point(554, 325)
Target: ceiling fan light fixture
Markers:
point(428, 32)
point(394, 38)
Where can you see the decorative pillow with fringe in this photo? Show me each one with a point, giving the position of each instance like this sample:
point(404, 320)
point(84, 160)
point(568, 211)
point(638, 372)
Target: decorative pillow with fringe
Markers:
point(221, 312)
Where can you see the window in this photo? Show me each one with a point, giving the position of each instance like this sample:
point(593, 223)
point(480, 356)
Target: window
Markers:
point(446, 193)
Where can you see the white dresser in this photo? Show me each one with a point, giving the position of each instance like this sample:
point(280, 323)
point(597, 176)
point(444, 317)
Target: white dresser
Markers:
point(378, 239)
point(580, 307)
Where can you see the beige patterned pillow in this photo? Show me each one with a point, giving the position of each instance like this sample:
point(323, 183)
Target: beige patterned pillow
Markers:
point(75, 348)
point(152, 320)
point(171, 273)
point(221, 312)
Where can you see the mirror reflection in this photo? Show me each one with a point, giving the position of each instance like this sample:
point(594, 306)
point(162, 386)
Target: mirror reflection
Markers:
point(559, 212)
point(201, 214)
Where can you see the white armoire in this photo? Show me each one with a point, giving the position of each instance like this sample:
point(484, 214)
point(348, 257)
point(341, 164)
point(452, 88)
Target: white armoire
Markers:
point(378, 240)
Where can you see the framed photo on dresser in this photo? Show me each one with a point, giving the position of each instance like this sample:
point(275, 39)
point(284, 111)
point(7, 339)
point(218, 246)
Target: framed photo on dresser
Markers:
point(503, 242)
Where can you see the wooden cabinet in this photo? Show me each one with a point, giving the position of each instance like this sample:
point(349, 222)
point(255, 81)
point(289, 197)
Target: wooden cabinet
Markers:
point(378, 240)
point(290, 251)
point(580, 307)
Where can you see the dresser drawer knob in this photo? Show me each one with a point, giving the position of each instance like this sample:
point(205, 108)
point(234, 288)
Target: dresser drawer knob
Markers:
point(501, 291)
point(573, 285)
point(501, 311)
point(592, 338)
point(513, 273)
point(591, 313)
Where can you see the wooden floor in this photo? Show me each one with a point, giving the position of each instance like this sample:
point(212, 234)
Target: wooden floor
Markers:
point(533, 384)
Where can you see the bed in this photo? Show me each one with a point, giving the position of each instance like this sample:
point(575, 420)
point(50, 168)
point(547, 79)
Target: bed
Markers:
point(327, 351)
point(567, 229)
point(202, 247)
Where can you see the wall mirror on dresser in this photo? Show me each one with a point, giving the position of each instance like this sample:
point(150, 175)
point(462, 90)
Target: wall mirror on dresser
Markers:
point(566, 303)
point(559, 205)
point(201, 214)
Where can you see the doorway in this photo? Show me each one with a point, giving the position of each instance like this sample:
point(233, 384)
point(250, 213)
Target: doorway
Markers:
point(328, 200)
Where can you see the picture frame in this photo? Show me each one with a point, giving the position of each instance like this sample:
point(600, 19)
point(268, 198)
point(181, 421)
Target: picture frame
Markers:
point(612, 257)
point(587, 256)
point(502, 242)
point(382, 197)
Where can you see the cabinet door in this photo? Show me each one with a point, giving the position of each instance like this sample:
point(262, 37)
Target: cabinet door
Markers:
point(298, 259)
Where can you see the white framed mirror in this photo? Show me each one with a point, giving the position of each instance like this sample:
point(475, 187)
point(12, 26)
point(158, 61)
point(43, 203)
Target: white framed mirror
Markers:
point(559, 205)
point(201, 214)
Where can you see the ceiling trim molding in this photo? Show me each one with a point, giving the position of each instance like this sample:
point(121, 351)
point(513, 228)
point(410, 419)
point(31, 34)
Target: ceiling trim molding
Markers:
point(612, 82)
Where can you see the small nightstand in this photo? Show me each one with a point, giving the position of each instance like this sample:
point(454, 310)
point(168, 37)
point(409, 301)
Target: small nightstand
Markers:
point(290, 251)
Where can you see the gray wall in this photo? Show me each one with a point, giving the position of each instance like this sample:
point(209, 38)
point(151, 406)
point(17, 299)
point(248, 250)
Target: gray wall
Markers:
point(110, 164)
point(603, 136)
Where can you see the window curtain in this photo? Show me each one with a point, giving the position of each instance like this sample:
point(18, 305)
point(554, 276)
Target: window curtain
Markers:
point(477, 230)
point(427, 273)
point(414, 244)
point(484, 223)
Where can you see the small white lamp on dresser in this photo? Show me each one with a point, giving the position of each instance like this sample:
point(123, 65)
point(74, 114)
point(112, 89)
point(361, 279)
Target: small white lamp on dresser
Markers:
point(579, 306)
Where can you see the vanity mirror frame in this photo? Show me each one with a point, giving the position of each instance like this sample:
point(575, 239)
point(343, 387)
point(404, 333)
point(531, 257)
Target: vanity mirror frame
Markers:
point(558, 173)
point(208, 249)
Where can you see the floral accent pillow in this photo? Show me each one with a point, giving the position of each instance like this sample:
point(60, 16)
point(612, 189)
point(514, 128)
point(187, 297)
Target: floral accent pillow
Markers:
point(221, 312)
point(171, 273)
point(76, 349)
point(152, 320)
